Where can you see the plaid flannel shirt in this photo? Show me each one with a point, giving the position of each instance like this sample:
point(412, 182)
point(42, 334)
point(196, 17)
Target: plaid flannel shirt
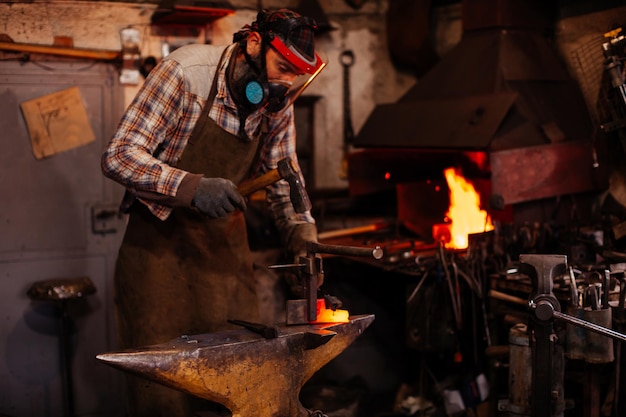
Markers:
point(155, 128)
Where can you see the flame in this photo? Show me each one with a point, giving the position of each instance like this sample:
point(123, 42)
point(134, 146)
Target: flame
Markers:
point(326, 315)
point(464, 211)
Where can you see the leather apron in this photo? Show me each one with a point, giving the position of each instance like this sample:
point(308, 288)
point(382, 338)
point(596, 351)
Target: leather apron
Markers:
point(188, 274)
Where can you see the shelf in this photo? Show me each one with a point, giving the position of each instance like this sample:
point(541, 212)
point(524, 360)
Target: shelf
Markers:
point(194, 14)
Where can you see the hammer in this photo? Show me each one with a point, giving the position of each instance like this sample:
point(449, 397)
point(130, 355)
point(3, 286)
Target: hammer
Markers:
point(288, 171)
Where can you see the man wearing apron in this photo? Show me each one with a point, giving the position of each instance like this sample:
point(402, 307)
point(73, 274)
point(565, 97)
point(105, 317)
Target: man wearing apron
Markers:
point(206, 118)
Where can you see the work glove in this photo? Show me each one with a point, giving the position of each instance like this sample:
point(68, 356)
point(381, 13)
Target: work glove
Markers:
point(301, 233)
point(217, 197)
point(296, 247)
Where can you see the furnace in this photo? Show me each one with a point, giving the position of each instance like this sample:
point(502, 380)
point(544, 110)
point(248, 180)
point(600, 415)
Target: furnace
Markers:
point(503, 91)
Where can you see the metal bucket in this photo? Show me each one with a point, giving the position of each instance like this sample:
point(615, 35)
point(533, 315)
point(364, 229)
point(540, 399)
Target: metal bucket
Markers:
point(599, 348)
point(575, 336)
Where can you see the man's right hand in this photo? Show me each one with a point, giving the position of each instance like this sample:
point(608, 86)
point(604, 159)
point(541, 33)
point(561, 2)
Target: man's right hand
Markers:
point(217, 197)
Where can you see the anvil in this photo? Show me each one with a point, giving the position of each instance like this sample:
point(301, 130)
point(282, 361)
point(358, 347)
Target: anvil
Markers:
point(247, 373)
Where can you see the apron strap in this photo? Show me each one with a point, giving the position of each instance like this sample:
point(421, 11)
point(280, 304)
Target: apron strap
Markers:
point(198, 128)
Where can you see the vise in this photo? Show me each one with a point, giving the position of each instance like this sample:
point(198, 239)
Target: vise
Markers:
point(539, 393)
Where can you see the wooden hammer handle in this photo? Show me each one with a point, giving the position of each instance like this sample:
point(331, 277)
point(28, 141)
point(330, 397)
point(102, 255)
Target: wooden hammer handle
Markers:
point(506, 297)
point(249, 186)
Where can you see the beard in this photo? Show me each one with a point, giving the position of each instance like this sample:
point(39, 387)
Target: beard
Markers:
point(249, 86)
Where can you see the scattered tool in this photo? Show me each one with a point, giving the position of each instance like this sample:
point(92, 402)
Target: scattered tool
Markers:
point(347, 60)
point(591, 295)
point(351, 231)
point(268, 332)
point(332, 302)
point(286, 170)
point(573, 288)
point(606, 287)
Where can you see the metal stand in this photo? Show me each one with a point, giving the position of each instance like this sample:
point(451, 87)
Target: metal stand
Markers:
point(61, 291)
point(547, 390)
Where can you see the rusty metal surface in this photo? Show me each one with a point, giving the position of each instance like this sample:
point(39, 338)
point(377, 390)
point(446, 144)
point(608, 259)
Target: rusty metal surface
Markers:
point(537, 172)
point(248, 374)
point(461, 123)
point(491, 80)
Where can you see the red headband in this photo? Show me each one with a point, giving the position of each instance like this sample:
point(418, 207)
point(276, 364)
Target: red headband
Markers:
point(296, 59)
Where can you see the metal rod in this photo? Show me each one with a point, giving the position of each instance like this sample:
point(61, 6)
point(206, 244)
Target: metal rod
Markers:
point(315, 247)
point(66, 360)
point(590, 326)
point(565, 317)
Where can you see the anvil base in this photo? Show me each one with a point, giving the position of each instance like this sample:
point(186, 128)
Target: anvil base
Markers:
point(248, 374)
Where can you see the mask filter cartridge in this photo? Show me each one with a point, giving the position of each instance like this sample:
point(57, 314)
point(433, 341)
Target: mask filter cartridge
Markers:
point(254, 92)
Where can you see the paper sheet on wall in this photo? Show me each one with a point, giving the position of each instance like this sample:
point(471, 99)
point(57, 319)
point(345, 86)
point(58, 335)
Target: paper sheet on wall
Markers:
point(57, 122)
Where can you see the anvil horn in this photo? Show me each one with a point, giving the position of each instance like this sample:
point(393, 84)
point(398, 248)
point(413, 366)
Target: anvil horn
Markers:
point(248, 374)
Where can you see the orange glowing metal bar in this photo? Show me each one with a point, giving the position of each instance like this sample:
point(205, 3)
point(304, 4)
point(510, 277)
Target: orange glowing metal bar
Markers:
point(326, 315)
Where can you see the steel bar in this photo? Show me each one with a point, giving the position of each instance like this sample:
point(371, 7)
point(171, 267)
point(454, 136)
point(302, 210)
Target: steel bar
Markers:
point(590, 326)
point(314, 247)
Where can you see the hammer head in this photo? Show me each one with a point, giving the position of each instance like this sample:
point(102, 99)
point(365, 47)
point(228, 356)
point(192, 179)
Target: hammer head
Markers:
point(297, 193)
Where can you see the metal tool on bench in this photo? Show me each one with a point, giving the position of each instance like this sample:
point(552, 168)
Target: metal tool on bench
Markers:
point(305, 310)
point(576, 337)
point(249, 374)
point(286, 170)
point(267, 331)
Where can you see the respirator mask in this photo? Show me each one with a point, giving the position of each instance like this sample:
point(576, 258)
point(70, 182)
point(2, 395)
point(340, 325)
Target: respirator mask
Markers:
point(290, 36)
point(259, 92)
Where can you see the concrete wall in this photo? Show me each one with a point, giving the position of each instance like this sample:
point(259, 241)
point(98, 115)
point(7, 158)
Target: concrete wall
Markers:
point(96, 25)
point(373, 77)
